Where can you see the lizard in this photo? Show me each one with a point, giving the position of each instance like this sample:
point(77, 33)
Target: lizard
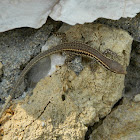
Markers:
point(75, 47)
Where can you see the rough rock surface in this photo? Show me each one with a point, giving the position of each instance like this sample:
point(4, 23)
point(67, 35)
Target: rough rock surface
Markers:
point(132, 80)
point(34, 13)
point(132, 25)
point(122, 124)
point(17, 47)
point(63, 105)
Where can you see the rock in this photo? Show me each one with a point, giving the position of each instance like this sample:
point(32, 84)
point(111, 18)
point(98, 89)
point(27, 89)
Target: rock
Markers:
point(31, 13)
point(34, 13)
point(122, 124)
point(132, 79)
point(17, 48)
point(137, 98)
point(63, 104)
point(131, 25)
point(70, 11)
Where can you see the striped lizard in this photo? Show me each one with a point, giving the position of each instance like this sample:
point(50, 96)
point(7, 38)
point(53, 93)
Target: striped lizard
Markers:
point(76, 47)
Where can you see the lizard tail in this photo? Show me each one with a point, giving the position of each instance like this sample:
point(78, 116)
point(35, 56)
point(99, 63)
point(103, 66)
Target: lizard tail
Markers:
point(5, 105)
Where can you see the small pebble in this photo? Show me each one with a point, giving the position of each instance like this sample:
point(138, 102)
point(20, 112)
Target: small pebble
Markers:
point(137, 98)
point(43, 124)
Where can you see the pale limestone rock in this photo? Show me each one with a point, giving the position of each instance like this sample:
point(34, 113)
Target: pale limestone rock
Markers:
point(122, 124)
point(24, 13)
point(64, 104)
point(34, 13)
point(79, 11)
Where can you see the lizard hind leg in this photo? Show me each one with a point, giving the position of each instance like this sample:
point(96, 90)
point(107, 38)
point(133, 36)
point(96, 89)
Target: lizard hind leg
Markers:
point(111, 54)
